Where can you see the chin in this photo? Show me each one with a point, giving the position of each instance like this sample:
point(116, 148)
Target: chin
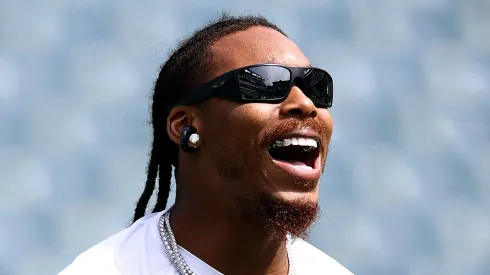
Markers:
point(311, 196)
point(290, 213)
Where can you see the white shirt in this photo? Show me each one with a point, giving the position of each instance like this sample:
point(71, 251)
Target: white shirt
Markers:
point(138, 250)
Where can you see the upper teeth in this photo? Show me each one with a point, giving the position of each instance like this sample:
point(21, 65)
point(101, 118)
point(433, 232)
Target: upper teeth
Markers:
point(296, 141)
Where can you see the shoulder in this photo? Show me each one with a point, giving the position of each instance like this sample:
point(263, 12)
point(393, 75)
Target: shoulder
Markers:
point(134, 250)
point(308, 259)
point(96, 260)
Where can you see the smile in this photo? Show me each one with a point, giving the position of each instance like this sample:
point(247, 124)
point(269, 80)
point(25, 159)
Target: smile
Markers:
point(297, 155)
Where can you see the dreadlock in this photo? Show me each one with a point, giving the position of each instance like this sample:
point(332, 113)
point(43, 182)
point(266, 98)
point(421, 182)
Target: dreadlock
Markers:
point(182, 72)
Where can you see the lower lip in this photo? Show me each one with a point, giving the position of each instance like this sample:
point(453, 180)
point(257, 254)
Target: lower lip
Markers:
point(299, 171)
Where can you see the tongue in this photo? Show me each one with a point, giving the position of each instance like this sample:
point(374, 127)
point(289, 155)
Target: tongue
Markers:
point(298, 164)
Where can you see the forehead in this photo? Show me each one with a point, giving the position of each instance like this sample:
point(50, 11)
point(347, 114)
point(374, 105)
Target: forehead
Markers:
point(257, 45)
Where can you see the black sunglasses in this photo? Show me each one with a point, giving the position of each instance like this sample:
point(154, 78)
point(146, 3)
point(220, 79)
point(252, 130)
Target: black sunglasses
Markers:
point(266, 83)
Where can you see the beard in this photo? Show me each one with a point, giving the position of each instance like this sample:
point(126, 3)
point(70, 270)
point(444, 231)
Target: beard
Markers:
point(275, 217)
point(280, 218)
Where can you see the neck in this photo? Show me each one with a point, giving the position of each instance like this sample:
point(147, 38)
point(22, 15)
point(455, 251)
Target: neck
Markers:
point(230, 245)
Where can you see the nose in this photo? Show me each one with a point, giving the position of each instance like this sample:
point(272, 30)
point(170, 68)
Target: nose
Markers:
point(297, 104)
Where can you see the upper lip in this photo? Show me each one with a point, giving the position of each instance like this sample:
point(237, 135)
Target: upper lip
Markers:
point(305, 133)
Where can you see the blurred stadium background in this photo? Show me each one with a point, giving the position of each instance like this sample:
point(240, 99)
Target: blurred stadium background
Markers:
point(406, 190)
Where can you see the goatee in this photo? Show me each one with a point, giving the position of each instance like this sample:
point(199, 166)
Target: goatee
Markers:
point(280, 217)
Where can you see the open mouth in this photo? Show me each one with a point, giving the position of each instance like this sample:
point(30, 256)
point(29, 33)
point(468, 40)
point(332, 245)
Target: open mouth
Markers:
point(300, 152)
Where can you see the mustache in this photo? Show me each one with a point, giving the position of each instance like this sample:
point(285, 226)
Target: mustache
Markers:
point(293, 124)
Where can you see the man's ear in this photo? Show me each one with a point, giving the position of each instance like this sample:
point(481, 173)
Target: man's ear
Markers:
point(180, 117)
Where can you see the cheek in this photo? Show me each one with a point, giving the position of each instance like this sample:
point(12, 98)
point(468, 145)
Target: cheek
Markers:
point(327, 122)
point(248, 120)
point(231, 124)
point(244, 122)
point(253, 114)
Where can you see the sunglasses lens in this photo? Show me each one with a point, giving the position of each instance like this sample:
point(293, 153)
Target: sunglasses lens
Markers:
point(273, 82)
point(318, 87)
point(264, 82)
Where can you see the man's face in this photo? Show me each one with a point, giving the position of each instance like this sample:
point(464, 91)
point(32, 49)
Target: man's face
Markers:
point(237, 137)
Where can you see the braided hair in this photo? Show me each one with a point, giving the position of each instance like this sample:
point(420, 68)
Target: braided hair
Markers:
point(181, 73)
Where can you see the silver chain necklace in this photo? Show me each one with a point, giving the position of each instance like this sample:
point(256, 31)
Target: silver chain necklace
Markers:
point(170, 245)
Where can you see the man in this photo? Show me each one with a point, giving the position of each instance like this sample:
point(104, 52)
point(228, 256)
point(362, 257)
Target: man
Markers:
point(248, 142)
